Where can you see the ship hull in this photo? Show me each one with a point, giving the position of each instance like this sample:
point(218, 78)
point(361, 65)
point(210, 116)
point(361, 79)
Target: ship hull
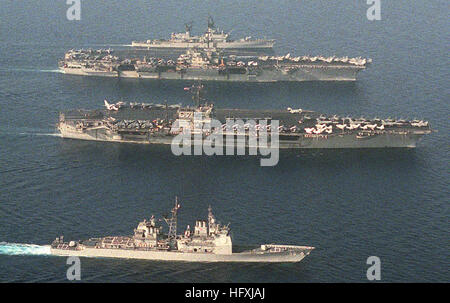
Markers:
point(302, 73)
point(89, 72)
point(306, 141)
point(288, 256)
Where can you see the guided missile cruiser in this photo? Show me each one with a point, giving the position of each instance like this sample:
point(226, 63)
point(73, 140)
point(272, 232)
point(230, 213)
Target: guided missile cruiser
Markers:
point(208, 241)
point(213, 37)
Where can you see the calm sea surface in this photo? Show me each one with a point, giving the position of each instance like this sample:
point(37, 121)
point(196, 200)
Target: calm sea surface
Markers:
point(350, 204)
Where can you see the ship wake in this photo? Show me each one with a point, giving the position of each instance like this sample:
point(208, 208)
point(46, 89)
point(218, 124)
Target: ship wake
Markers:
point(32, 70)
point(41, 134)
point(18, 249)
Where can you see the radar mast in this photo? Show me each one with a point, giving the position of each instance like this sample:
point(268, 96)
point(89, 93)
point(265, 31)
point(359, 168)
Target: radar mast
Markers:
point(188, 27)
point(212, 225)
point(211, 24)
point(210, 31)
point(172, 221)
point(197, 93)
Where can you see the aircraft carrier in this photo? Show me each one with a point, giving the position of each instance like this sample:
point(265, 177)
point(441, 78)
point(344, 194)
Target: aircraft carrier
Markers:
point(209, 241)
point(292, 128)
point(211, 65)
point(211, 38)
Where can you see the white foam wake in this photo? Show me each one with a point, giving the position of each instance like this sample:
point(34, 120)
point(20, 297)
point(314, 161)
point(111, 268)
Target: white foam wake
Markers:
point(40, 134)
point(17, 249)
point(43, 134)
point(32, 70)
point(51, 71)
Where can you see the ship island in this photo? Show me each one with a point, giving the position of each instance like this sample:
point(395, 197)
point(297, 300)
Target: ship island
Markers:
point(208, 242)
point(213, 37)
point(153, 123)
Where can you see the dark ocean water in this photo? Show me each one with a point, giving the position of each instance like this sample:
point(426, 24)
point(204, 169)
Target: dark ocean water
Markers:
point(350, 204)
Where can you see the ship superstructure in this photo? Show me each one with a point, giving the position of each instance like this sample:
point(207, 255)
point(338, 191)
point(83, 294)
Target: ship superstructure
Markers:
point(211, 65)
point(213, 37)
point(208, 241)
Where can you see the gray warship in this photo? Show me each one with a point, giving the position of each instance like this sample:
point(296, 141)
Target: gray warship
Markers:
point(150, 123)
point(208, 242)
point(212, 65)
point(211, 38)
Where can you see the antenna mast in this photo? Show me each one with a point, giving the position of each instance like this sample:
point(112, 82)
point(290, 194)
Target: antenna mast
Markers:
point(188, 27)
point(211, 221)
point(196, 93)
point(211, 28)
point(172, 221)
